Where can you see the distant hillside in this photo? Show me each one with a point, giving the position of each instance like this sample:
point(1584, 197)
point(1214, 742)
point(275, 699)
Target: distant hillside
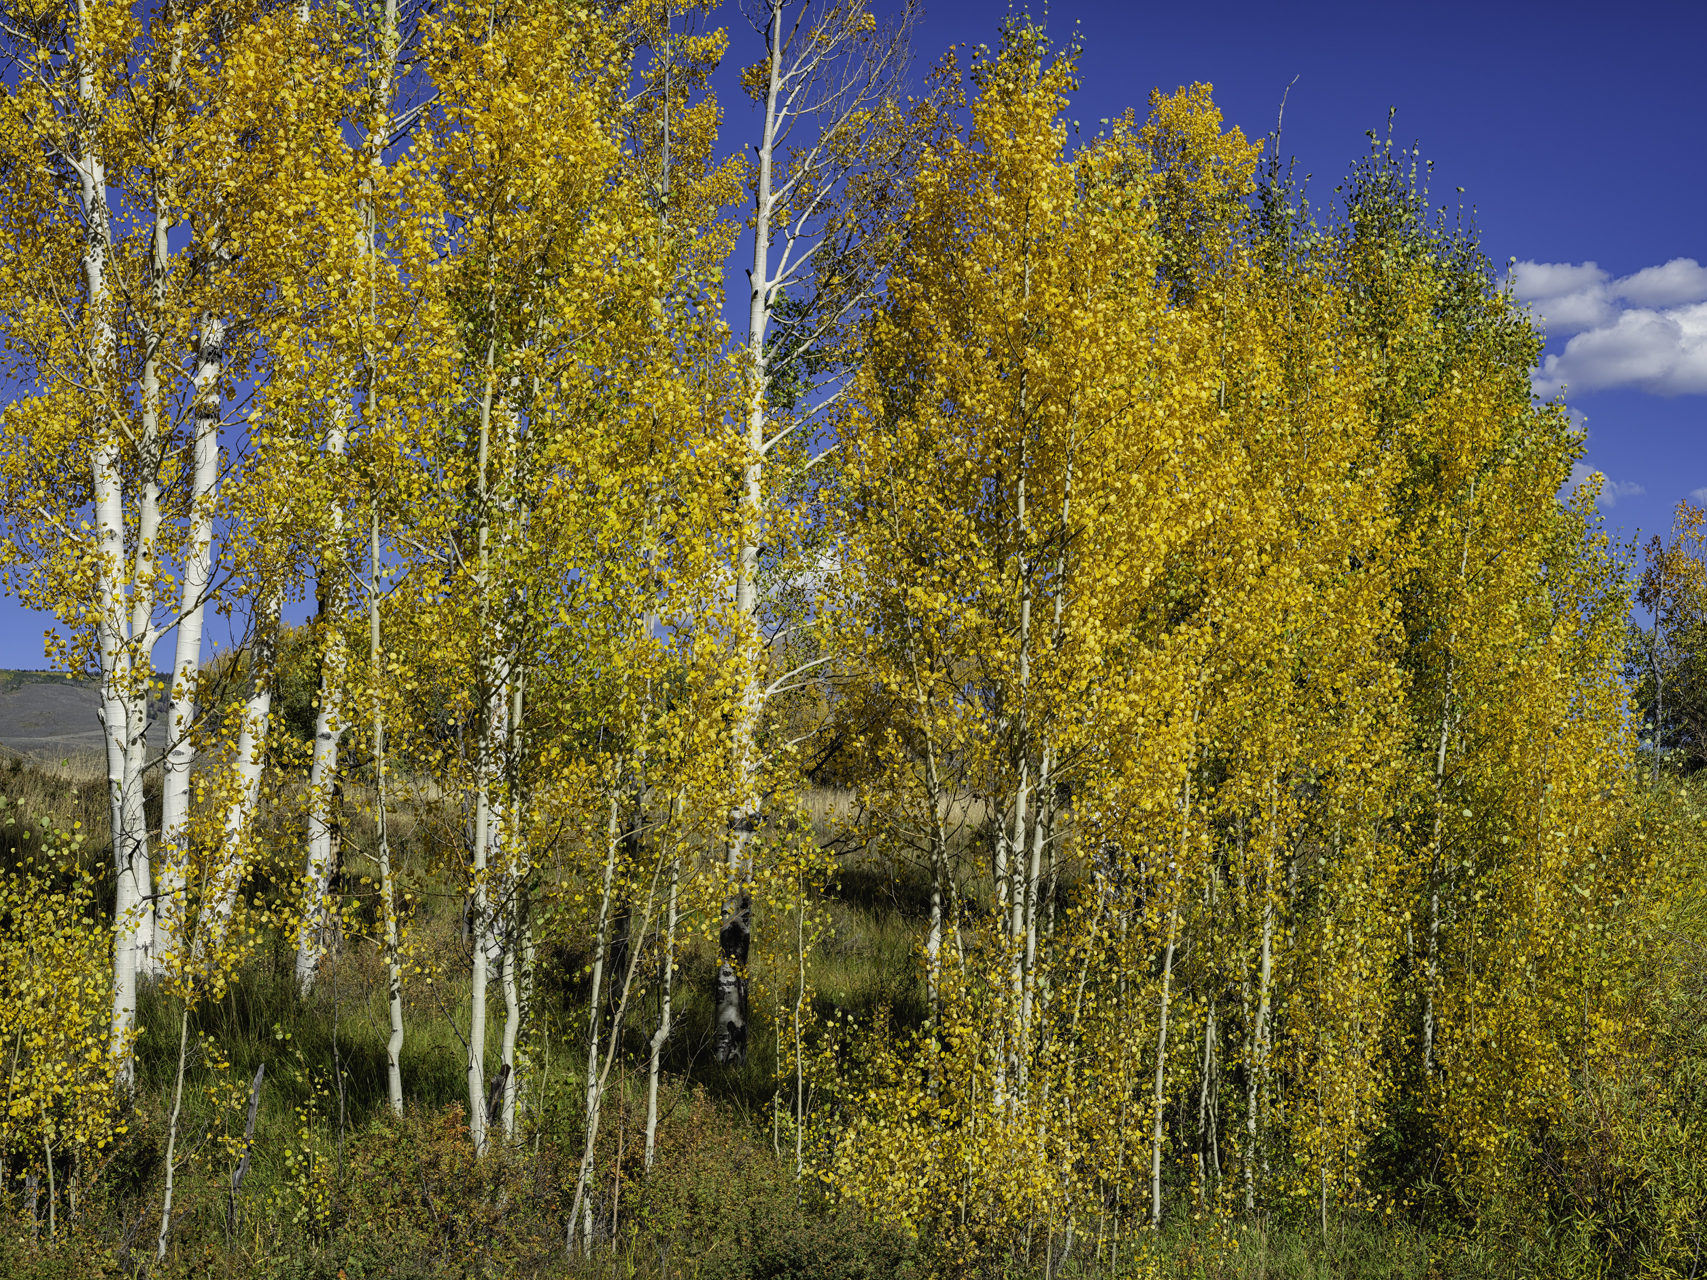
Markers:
point(49, 715)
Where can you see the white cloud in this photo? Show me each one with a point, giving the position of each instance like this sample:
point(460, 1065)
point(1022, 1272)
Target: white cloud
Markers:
point(1646, 330)
point(1664, 352)
point(1680, 280)
point(1566, 297)
point(1610, 490)
point(1698, 495)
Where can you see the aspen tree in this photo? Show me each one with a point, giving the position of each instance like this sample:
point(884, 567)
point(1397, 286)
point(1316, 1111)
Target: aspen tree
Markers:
point(498, 237)
point(222, 233)
point(1671, 589)
point(387, 885)
point(99, 370)
point(829, 86)
point(573, 390)
point(388, 40)
point(1004, 419)
point(124, 130)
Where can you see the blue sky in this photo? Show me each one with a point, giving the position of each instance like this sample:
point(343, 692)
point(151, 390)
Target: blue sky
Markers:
point(1579, 133)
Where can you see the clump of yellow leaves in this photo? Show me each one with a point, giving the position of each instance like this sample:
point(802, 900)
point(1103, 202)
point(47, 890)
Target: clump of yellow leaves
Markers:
point(62, 1100)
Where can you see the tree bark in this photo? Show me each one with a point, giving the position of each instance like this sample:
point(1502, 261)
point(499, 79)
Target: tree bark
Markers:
point(186, 660)
point(247, 766)
point(172, 1135)
point(666, 985)
point(1258, 1065)
point(479, 925)
point(729, 1046)
point(595, 1014)
point(332, 575)
point(387, 888)
point(1156, 1126)
point(314, 933)
point(117, 680)
point(492, 711)
point(515, 972)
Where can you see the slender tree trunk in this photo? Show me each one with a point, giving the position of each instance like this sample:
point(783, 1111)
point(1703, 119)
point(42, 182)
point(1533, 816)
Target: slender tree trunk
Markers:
point(1258, 1065)
point(512, 1025)
point(595, 1014)
point(119, 716)
point(936, 801)
point(152, 446)
point(1659, 713)
point(387, 887)
point(799, 1048)
point(934, 928)
point(247, 765)
point(479, 926)
point(1156, 1126)
point(491, 712)
point(314, 933)
point(186, 662)
point(1043, 806)
point(1019, 892)
point(516, 996)
point(729, 1045)
point(666, 983)
point(172, 1134)
point(1033, 880)
point(1205, 1117)
point(126, 642)
point(108, 502)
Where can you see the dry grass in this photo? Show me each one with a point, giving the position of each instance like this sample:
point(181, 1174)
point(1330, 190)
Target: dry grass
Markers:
point(81, 767)
point(325, 1054)
point(66, 795)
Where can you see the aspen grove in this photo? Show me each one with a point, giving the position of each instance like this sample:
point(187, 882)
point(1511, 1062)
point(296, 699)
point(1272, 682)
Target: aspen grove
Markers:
point(1148, 612)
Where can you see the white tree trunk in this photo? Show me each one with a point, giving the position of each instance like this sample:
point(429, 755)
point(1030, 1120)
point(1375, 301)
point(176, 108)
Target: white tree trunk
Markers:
point(1257, 1068)
point(595, 1005)
point(124, 718)
point(248, 764)
point(387, 889)
point(314, 932)
point(480, 924)
point(666, 984)
point(186, 662)
point(729, 1044)
point(515, 974)
point(479, 929)
point(117, 681)
point(1205, 1110)
point(1157, 1099)
point(512, 1025)
point(1033, 881)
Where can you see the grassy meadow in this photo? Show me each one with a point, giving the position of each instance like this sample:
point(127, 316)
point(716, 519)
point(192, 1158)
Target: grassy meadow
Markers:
point(334, 1186)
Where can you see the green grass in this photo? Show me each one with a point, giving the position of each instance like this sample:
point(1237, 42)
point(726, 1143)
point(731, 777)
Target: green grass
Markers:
point(335, 1182)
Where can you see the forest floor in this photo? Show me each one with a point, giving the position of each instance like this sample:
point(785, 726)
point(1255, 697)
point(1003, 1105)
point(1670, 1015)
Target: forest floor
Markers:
point(335, 1187)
